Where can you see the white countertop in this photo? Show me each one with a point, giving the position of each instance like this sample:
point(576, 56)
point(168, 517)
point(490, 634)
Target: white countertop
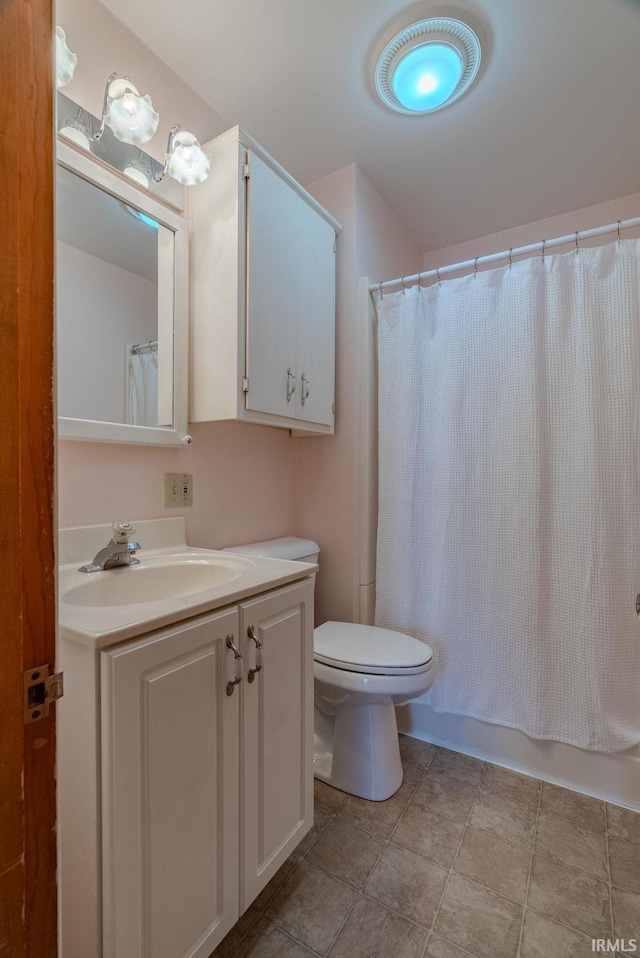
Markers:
point(100, 626)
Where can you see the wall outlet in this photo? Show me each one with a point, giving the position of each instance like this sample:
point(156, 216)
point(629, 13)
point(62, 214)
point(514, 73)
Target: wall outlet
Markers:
point(178, 489)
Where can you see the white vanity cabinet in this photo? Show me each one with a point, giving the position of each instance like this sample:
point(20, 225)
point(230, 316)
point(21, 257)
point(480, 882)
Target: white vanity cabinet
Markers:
point(262, 294)
point(202, 788)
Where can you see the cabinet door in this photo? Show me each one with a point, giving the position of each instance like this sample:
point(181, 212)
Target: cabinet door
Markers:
point(273, 256)
point(277, 740)
point(170, 792)
point(290, 292)
point(316, 348)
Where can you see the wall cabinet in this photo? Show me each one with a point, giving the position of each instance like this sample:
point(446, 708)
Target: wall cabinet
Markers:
point(201, 794)
point(262, 294)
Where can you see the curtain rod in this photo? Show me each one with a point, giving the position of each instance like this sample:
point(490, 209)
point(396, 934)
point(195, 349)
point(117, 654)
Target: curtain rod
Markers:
point(144, 347)
point(543, 246)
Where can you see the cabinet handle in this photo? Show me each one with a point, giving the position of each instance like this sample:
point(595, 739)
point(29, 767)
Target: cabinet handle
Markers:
point(238, 663)
point(291, 384)
point(251, 632)
point(306, 392)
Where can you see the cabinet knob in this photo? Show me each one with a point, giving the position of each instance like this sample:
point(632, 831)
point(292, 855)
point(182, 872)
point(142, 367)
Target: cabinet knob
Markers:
point(291, 384)
point(238, 664)
point(306, 392)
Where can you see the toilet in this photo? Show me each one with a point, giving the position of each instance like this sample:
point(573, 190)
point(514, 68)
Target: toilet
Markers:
point(361, 673)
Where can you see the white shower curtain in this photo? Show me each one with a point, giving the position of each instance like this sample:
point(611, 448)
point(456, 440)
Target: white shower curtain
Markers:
point(509, 532)
point(143, 389)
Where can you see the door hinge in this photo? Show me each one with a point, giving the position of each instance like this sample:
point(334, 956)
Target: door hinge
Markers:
point(333, 409)
point(245, 384)
point(334, 246)
point(40, 690)
point(246, 172)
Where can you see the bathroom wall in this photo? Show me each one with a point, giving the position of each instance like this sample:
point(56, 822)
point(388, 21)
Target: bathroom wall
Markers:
point(334, 493)
point(95, 330)
point(243, 475)
point(614, 777)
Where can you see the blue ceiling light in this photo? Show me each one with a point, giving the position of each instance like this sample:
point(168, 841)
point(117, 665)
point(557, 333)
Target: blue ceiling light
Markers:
point(427, 66)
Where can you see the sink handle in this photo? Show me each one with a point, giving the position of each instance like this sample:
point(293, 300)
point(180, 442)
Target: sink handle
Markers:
point(238, 663)
point(251, 632)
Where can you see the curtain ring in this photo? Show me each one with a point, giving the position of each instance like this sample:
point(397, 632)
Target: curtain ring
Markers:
point(438, 274)
point(404, 288)
point(618, 232)
point(544, 243)
point(420, 275)
point(475, 264)
point(577, 250)
point(510, 258)
point(380, 293)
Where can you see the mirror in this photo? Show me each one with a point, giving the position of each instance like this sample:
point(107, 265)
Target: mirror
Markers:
point(120, 308)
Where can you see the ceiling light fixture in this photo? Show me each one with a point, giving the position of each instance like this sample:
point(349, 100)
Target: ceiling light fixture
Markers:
point(128, 115)
point(186, 161)
point(65, 60)
point(427, 65)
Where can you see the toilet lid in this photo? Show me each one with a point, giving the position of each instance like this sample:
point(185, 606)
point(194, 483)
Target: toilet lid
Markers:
point(368, 649)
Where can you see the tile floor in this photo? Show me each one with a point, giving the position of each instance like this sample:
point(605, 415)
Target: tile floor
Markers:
point(467, 859)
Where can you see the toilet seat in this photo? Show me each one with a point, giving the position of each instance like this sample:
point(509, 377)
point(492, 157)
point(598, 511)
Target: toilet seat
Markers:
point(369, 650)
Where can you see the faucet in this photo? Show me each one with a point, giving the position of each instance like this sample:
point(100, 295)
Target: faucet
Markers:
point(118, 552)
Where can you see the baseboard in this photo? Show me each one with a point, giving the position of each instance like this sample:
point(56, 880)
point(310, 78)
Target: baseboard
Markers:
point(613, 778)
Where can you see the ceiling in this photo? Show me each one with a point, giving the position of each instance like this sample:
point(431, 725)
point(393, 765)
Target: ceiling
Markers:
point(552, 124)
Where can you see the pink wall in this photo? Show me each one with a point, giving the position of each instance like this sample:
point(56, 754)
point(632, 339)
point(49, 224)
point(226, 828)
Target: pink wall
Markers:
point(243, 483)
point(589, 217)
point(332, 488)
point(243, 475)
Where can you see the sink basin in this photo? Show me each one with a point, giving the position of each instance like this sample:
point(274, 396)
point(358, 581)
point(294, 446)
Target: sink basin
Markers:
point(137, 584)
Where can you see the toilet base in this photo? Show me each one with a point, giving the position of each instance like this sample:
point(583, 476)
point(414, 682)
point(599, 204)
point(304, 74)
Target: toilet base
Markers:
point(357, 750)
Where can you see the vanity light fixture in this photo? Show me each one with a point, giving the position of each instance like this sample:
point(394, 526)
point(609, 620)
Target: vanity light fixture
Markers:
point(138, 171)
point(427, 65)
point(66, 60)
point(77, 130)
point(129, 115)
point(186, 161)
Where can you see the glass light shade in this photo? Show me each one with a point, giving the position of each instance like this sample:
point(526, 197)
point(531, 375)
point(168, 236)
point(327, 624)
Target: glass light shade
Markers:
point(78, 132)
point(186, 161)
point(139, 172)
point(65, 60)
point(131, 117)
point(427, 76)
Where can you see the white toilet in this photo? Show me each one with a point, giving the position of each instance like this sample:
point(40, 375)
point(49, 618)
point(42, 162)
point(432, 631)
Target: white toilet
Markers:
point(361, 673)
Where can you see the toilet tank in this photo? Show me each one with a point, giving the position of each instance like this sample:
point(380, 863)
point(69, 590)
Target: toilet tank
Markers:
point(288, 547)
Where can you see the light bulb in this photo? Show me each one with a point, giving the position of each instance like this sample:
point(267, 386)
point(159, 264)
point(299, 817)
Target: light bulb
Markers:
point(129, 115)
point(78, 132)
point(186, 161)
point(427, 83)
point(65, 60)
point(139, 172)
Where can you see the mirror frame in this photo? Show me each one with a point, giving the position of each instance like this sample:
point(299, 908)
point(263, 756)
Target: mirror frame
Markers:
point(94, 171)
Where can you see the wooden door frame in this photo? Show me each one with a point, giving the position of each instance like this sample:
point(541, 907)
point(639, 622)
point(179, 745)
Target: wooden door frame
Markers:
point(27, 577)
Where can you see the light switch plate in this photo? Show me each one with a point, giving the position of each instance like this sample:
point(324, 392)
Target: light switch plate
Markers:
point(178, 489)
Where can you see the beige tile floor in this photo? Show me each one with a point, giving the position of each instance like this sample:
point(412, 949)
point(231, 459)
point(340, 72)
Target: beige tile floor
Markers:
point(467, 860)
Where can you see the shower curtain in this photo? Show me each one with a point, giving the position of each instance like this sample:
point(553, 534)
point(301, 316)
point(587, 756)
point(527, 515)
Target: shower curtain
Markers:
point(509, 531)
point(143, 389)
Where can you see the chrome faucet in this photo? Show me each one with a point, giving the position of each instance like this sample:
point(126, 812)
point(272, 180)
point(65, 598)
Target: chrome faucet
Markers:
point(119, 550)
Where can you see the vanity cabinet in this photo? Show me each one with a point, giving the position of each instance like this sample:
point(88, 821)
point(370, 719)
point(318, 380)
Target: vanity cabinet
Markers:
point(262, 294)
point(202, 788)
